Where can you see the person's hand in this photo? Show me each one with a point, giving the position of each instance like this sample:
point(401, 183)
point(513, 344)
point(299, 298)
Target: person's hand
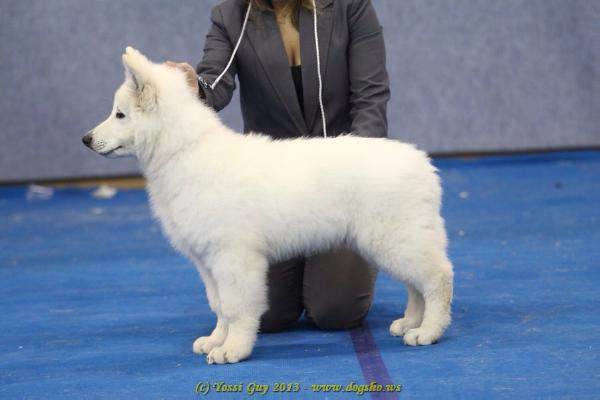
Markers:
point(190, 74)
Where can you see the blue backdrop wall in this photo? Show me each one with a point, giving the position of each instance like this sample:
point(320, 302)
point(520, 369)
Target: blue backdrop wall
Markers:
point(467, 75)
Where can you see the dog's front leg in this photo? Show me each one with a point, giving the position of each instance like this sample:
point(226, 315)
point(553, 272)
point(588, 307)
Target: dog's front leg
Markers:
point(240, 278)
point(205, 344)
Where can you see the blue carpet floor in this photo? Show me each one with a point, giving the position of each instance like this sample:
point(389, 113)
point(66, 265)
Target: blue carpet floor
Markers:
point(94, 304)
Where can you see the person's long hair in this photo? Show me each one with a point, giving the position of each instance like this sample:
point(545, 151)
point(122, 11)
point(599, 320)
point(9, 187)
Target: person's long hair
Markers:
point(266, 5)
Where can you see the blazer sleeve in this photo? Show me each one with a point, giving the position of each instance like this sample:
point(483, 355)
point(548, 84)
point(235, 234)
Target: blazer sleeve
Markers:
point(369, 83)
point(217, 51)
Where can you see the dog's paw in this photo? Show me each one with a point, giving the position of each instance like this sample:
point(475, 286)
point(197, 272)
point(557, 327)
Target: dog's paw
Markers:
point(420, 337)
point(400, 326)
point(224, 355)
point(204, 344)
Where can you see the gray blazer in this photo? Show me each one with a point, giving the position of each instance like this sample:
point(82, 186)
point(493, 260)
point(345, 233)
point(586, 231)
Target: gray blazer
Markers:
point(355, 79)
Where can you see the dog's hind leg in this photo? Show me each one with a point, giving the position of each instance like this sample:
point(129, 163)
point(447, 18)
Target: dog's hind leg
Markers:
point(417, 256)
point(240, 278)
point(205, 344)
point(436, 289)
point(413, 315)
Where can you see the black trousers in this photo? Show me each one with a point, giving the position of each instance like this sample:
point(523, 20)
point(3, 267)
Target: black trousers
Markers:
point(335, 289)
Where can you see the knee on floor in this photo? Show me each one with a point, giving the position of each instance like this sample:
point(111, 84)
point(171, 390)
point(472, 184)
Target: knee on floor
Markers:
point(276, 320)
point(338, 315)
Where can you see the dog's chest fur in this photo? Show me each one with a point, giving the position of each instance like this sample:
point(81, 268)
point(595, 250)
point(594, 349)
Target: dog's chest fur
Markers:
point(180, 220)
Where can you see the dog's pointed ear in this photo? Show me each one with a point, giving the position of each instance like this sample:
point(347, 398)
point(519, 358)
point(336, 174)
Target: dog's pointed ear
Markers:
point(137, 77)
point(130, 77)
point(135, 64)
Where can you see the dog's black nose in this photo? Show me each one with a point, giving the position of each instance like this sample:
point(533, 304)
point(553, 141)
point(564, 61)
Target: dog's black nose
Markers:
point(87, 139)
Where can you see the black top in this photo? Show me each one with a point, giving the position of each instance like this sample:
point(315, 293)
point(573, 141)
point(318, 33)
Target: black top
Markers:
point(297, 76)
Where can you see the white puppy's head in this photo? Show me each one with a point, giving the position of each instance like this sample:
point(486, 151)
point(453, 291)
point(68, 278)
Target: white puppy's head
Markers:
point(134, 121)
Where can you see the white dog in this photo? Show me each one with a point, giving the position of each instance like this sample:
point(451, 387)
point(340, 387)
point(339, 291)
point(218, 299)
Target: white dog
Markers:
point(235, 203)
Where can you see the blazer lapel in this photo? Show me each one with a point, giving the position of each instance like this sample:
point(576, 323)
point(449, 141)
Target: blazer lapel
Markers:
point(308, 54)
point(263, 33)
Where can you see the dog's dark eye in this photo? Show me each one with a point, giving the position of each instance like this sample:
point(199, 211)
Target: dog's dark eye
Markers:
point(119, 115)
